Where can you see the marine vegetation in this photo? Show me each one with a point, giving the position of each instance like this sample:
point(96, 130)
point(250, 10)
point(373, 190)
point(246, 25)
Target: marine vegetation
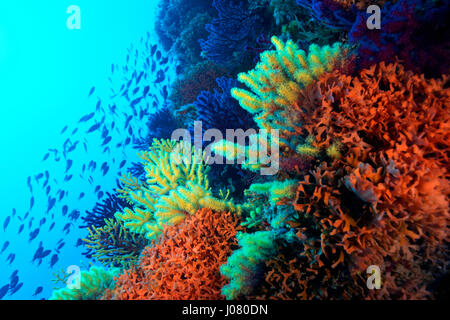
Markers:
point(176, 185)
point(191, 253)
point(356, 123)
point(92, 285)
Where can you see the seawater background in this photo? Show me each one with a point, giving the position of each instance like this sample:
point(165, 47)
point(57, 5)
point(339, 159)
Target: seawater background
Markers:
point(46, 72)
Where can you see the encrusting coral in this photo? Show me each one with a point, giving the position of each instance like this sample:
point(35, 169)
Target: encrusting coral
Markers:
point(385, 202)
point(191, 254)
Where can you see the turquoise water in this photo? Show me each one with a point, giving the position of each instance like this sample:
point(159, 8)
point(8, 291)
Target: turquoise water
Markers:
point(47, 73)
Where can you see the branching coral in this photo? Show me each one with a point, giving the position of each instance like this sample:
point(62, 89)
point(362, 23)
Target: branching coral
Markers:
point(103, 210)
point(185, 264)
point(92, 285)
point(411, 30)
point(278, 80)
point(113, 245)
point(219, 110)
point(230, 32)
point(242, 266)
point(200, 78)
point(386, 201)
point(176, 186)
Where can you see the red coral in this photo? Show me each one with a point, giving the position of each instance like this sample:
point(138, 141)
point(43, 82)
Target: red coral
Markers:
point(185, 264)
point(386, 201)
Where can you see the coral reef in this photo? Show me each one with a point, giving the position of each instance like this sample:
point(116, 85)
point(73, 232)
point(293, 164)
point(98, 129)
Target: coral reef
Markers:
point(191, 253)
point(176, 186)
point(113, 245)
point(92, 285)
point(230, 32)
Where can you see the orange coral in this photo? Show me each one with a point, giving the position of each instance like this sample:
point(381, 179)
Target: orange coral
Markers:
point(386, 201)
point(185, 264)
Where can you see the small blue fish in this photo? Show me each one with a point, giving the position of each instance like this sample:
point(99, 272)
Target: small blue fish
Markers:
point(51, 204)
point(33, 235)
point(5, 246)
point(87, 117)
point(4, 290)
point(54, 259)
point(38, 291)
point(94, 127)
point(81, 196)
point(6, 223)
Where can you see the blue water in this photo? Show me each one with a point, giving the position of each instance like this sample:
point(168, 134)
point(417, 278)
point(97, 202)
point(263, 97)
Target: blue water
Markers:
point(46, 73)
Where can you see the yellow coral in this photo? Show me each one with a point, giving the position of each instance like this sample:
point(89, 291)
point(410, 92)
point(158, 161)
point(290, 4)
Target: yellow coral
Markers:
point(278, 81)
point(176, 185)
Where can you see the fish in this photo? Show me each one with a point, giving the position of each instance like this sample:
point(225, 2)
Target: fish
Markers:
point(135, 101)
point(38, 291)
point(14, 212)
point(61, 195)
point(21, 228)
point(69, 165)
point(68, 178)
point(31, 203)
point(14, 281)
point(62, 244)
point(65, 208)
point(100, 195)
point(4, 290)
point(107, 140)
point(64, 129)
point(54, 259)
point(122, 164)
point(158, 55)
point(67, 226)
point(94, 127)
point(91, 91)
point(72, 147)
point(43, 220)
point(146, 90)
point(87, 117)
point(33, 235)
point(6, 222)
point(45, 253)
point(51, 203)
point(5, 246)
point(81, 196)
point(153, 49)
point(51, 227)
point(46, 156)
point(11, 258)
point(164, 61)
point(14, 274)
point(99, 103)
point(97, 188)
point(16, 288)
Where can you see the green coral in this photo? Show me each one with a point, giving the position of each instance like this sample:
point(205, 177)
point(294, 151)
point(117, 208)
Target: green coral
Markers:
point(92, 285)
point(242, 265)
point(276, 190)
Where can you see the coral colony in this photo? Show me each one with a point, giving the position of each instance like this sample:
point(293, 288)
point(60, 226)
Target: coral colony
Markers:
point(296, 151)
